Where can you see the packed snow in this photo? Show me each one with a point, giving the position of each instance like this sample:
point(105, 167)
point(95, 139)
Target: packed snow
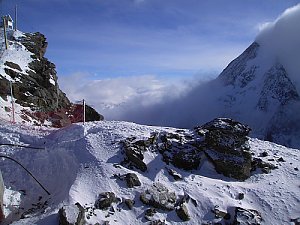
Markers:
point(16, 53)
point(78, 162)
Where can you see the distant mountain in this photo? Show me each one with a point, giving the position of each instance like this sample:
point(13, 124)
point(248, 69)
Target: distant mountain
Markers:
point(259, 91)
point(37, 96)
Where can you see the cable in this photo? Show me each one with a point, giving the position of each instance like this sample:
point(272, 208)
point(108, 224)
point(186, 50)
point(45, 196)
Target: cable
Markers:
point(7, 157)
point(22, 146)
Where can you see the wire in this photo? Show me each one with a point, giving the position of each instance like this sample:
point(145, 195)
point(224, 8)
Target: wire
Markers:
point(7, 157)
point(22, 146)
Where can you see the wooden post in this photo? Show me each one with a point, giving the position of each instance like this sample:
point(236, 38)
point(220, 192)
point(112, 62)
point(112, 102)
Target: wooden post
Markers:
point(16, 17)
point(5, 35)
point(83, 103)
point(12, 103)
point(2, 216)
point(57, 99)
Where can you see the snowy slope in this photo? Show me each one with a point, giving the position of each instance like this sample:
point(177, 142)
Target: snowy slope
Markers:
point(79, 162)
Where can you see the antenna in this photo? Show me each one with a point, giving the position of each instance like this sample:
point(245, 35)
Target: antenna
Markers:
point(16, 16)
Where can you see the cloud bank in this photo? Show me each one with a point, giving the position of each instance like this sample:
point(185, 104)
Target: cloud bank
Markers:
point(117, 97)
point(281, 39)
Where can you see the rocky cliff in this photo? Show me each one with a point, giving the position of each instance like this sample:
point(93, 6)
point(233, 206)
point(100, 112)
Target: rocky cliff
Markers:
point(36, 92)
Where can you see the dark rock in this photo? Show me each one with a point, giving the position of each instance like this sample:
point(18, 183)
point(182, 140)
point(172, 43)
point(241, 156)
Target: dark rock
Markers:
point(67, 213)
point(157, 222)
point(133, 156)
point(150, 213)
point(134, 153)
point(13, 65)
point(92, 115)
point(105, 200)
point(296, 221)
point(281, 160)
point(296, 169)
point(182, 212)
point(264, 166)
point(226, 144)
point(186, 199)
point(129, 203)
point(159, 196)
point(226, 135)
point(246, 217)
point(264, 154)
point(218, 213)
point(227, 216)
point(181, 150)
point(132, 180)
point(174, 174)
point(241, 196)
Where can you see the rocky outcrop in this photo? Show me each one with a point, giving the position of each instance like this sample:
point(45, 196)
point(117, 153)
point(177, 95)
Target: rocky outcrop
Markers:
point(158, 196)
point(37, 87)
point(183, 213)
point(132, 180)
point(223, 142)
point(105, 200)
point(134, 152)
point(72, 215)
point(226, 144)
point(247, 217)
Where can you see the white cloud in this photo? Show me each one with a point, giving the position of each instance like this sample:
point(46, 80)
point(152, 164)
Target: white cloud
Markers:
point(115, 97)
point(281, 40)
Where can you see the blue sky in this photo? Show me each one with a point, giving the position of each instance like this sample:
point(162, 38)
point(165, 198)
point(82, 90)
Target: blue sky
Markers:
point(115, 38)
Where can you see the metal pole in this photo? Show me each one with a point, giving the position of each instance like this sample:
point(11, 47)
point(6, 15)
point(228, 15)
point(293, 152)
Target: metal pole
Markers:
point(5, 35)
point(83, 101)
point(16, 17)
point(12, 103)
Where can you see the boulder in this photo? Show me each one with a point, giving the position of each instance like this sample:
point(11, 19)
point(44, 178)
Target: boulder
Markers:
point(105, 200)
point(183, 213)
point(174, 174)
point(134, 153)
point(158, 196)
point(181, 150)
point(150, 213)
point(132, 180)
point(72, 215)
point(226, 145)
point(247, 217)
point(129, 203)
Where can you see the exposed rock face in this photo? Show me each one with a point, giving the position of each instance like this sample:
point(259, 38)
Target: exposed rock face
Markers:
point(237, 73)
point(222, 141)
point(134, 151)
point(181, 150)
point(159, 196)
point(278, 89)
point(105, 200)
point(129, 203)
point(132, 180)
point(72, 215)
point(183, 213)
point(247, 217)
point(37, 87)
point(226, 144)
